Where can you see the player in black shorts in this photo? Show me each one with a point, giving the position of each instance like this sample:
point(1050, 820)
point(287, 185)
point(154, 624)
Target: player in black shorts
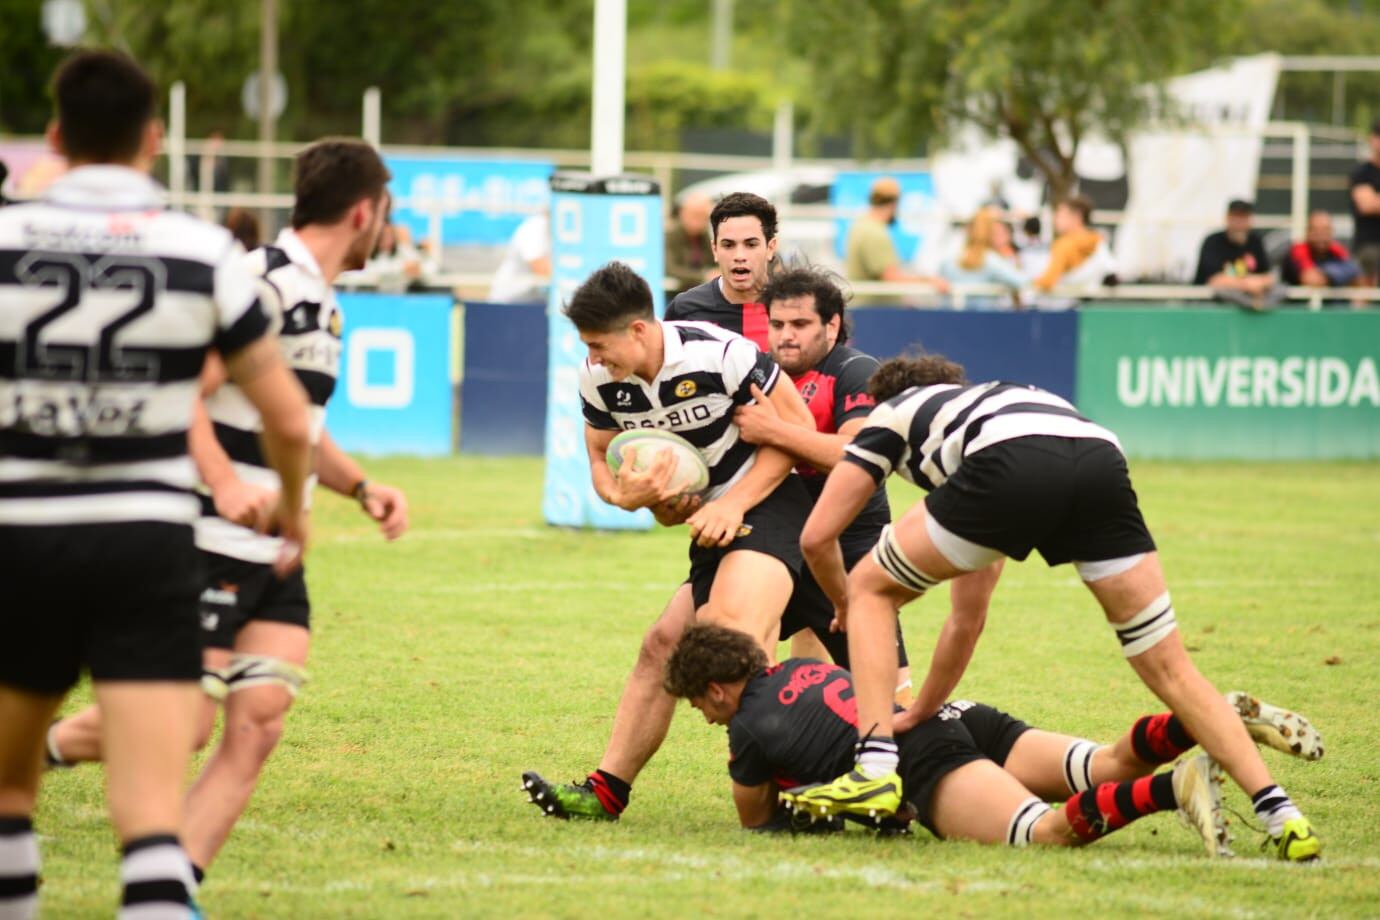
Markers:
point(807, 335)
point(109, 304)
point(686, 378)
point(971, 771)
point(1009, 469)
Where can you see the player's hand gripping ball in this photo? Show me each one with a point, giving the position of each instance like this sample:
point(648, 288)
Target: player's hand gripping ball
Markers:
point(690, 475)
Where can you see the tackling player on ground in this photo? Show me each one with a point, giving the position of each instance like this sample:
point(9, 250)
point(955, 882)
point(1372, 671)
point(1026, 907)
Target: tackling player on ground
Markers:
point(255, 624)
point(1009, 469)
point(109, 304)
point(971, 771)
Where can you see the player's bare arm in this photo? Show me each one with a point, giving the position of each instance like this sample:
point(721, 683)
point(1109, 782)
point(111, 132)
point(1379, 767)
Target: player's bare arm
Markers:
point(846, 492)
point(630, 489)
point(761, 423)
point(236, 500)
point(756, 804)
point(339, 472)
point(717, 523)
point(969, 597)
point(259, 371)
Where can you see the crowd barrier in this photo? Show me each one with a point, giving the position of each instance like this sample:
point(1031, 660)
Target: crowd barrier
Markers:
point(1174, 382)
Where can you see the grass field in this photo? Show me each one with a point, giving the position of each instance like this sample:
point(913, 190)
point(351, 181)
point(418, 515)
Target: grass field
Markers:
point(485, 644)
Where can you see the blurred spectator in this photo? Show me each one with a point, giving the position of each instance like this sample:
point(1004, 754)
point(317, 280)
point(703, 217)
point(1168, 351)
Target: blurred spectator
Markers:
point(1004, 240)
point(1079, 254)
point(979, 262)
point(4, 175)
point(1034, 251)
point(1234, 263)
point(243, 225)
point(397, 264)
point(209, 171)
point(689, 259)
point(525, 271)
point(1319, 261)
point(870, 254)
point(1365, 209)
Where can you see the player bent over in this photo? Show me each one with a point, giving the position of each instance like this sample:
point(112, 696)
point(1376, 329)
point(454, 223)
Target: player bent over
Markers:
point(744, 554)
point(256, 624)
point(1009, 469)
point(108, 306)
point(971, 771)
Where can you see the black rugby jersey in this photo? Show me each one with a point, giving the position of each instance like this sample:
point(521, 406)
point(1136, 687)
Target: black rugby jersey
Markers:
point(796, 723)
point(302, 306)
point(706, 373)
point(925, 432)
point(108, 305)
point(836, 392)
point(707, 304)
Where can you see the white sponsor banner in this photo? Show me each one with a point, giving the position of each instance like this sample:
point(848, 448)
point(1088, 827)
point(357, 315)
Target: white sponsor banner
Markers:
point(1182, 177)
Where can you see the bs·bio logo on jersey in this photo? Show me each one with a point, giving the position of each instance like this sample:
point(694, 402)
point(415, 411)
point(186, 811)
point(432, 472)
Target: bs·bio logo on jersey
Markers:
point(685, 389)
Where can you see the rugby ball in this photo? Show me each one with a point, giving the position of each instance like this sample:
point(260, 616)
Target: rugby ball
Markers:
point(691, 474)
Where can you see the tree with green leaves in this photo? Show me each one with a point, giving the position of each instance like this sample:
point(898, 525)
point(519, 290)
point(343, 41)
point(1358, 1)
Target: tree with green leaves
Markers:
point(1045, 73)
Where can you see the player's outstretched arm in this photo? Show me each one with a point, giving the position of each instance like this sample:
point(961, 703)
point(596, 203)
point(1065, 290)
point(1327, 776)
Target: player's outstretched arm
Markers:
point(970, 596)
point(846, 491)
point(259, 371)
point(339, 472)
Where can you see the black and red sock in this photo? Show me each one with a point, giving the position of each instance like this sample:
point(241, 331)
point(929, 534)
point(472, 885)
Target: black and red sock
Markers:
point(1097, 812)
point(613, 792)
point(1160, 738)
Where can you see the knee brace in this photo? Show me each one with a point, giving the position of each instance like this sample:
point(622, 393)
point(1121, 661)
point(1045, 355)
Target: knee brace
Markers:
point(1078, 763)
point(1023, 821)
point(887, 554)
point(247, 671)
point(1148, 628)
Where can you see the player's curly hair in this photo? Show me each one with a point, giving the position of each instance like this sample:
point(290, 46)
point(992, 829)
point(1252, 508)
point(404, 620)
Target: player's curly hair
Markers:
point(810, 281)
point(918, 369)
point(711, 654)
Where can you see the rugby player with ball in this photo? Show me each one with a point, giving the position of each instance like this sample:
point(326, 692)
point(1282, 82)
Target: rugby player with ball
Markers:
point(685, 379)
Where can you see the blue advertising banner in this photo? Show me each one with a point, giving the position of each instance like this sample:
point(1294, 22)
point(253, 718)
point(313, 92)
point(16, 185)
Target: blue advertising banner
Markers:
point(1040, 349)
point(394, 392)
point(850, 191)
point(503, 396)
point(593, 221)
point(478, 201)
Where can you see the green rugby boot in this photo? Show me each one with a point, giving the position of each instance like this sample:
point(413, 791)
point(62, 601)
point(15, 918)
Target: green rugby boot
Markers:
point(565, 800)
point(851, 794)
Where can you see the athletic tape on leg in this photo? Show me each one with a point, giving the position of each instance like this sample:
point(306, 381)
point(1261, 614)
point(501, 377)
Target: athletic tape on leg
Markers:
point(247, 671)
point(213, 683)
point(1022, 826)
point(887, 554)
point(1078, 764)
point(1148, 628)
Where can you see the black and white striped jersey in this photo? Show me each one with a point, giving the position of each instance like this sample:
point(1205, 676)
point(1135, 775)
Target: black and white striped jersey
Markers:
point(302, 309)
point(706, 373)
point(108, 305)
point(925, 432)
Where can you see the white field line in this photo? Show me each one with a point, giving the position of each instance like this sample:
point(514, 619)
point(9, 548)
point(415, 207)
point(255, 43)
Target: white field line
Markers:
point(451, 533)
point(489, 587)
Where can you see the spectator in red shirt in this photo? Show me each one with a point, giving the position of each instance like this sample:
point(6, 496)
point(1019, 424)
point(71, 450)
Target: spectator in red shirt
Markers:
point(1319, 261)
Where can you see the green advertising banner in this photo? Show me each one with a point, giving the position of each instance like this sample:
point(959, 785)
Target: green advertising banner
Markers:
point(1216, 383)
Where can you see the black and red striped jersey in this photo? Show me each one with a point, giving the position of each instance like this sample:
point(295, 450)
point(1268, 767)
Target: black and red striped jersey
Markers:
point(707, 304)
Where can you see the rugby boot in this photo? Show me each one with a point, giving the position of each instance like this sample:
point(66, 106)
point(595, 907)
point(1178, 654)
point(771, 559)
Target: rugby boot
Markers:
point(1198, 791)
point(1296, 842)
point(565, 800)
point(851, 794)
point(1277, 728)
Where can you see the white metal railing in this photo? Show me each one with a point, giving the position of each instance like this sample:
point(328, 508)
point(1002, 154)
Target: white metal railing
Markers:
point(474, 285)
